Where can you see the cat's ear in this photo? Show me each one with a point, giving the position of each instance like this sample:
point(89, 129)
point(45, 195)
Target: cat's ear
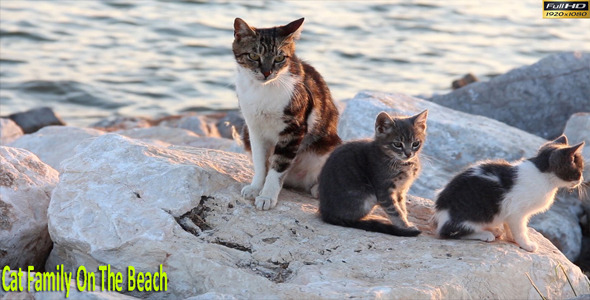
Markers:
point(292, 30)
point(419, 120)
point(383, 124)
point(242, 29)
point(562, 139)
point(576, 149)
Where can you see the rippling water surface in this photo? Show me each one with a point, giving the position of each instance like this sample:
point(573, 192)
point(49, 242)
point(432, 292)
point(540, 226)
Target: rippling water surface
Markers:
point(91, 59)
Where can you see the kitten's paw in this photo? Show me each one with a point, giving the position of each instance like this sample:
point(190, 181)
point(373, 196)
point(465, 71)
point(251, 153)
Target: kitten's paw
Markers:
point(250, 192)
point(265, 203)
point(497, 232)
point(485, 236)
point(529, 246)
point(315, 191)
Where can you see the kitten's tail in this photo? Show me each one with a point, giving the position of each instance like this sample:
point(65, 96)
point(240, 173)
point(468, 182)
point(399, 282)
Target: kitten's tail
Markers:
point(373, 225)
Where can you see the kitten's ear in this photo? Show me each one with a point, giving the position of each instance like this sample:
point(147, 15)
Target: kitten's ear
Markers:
point(292, 30)
point(242, 29)
point(562, 139)
point(419, 120)
point(383, 124)
point(576, 149)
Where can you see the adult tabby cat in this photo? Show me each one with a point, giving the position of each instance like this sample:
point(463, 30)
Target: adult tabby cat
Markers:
point(290, 116)
point(362, 174)
point(492, 194)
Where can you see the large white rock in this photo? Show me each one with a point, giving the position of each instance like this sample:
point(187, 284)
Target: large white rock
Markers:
point(52, 144)
point(25, 187)
point(168, 136)
point(456, 140)
point(9, 131)
point(123, 202)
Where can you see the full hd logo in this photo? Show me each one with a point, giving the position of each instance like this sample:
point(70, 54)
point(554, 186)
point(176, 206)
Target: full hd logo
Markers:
point(565, 9)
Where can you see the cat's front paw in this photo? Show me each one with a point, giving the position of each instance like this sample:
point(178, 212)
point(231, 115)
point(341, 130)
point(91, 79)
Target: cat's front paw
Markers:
point(529, 246)
point(265, 203)
point(315, 191)
point(497, 232)
point(250, 192)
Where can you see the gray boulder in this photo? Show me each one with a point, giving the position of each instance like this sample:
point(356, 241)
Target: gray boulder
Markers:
point(25, 188)
point(537, 98)
point(577, 130)
point(9, 131)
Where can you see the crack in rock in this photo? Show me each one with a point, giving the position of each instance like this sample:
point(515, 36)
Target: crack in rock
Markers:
point(233, 246)
point(194, 221)
point(275, 272)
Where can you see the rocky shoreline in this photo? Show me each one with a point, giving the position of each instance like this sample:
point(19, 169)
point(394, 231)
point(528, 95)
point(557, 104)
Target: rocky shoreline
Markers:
point(144, 193)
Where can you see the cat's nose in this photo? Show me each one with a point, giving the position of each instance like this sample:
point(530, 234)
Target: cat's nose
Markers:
point(266, 74)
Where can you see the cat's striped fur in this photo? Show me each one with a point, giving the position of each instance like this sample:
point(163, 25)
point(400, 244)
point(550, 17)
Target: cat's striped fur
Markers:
point(291, 119)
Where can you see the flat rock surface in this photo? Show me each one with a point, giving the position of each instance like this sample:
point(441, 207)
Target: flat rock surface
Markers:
point(123, 202)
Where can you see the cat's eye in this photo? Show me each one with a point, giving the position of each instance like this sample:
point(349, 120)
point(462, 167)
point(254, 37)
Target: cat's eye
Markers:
point(279, 58)
point(253, 56)
point(397, 145)
point(416, 144)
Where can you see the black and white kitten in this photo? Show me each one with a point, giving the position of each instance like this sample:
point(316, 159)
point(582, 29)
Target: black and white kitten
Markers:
point(291, 119)
point(361, 174)
point(492, 194)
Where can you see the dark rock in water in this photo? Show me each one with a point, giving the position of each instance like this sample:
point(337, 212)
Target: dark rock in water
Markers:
point(232, 119)
point(537, 98)
point(35, 119)
point(465, 80)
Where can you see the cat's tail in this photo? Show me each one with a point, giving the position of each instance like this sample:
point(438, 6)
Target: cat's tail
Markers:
point(373, 225)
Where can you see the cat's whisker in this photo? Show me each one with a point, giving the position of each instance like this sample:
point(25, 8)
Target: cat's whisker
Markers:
point(427, 159)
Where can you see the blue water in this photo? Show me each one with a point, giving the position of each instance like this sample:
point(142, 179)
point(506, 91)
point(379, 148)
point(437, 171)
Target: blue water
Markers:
point(92, 59)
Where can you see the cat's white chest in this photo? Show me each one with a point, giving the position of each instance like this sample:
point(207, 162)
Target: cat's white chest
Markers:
point(533, 191)
point(263, 105)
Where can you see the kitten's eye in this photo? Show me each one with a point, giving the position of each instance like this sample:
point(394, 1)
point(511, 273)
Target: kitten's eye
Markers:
point(416, 144)
point(253, 56)
point(279, 58)
point(397, 145)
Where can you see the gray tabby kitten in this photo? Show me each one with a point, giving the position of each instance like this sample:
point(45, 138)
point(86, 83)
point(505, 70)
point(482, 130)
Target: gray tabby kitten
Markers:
point(362, 174)
point(290, 116)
